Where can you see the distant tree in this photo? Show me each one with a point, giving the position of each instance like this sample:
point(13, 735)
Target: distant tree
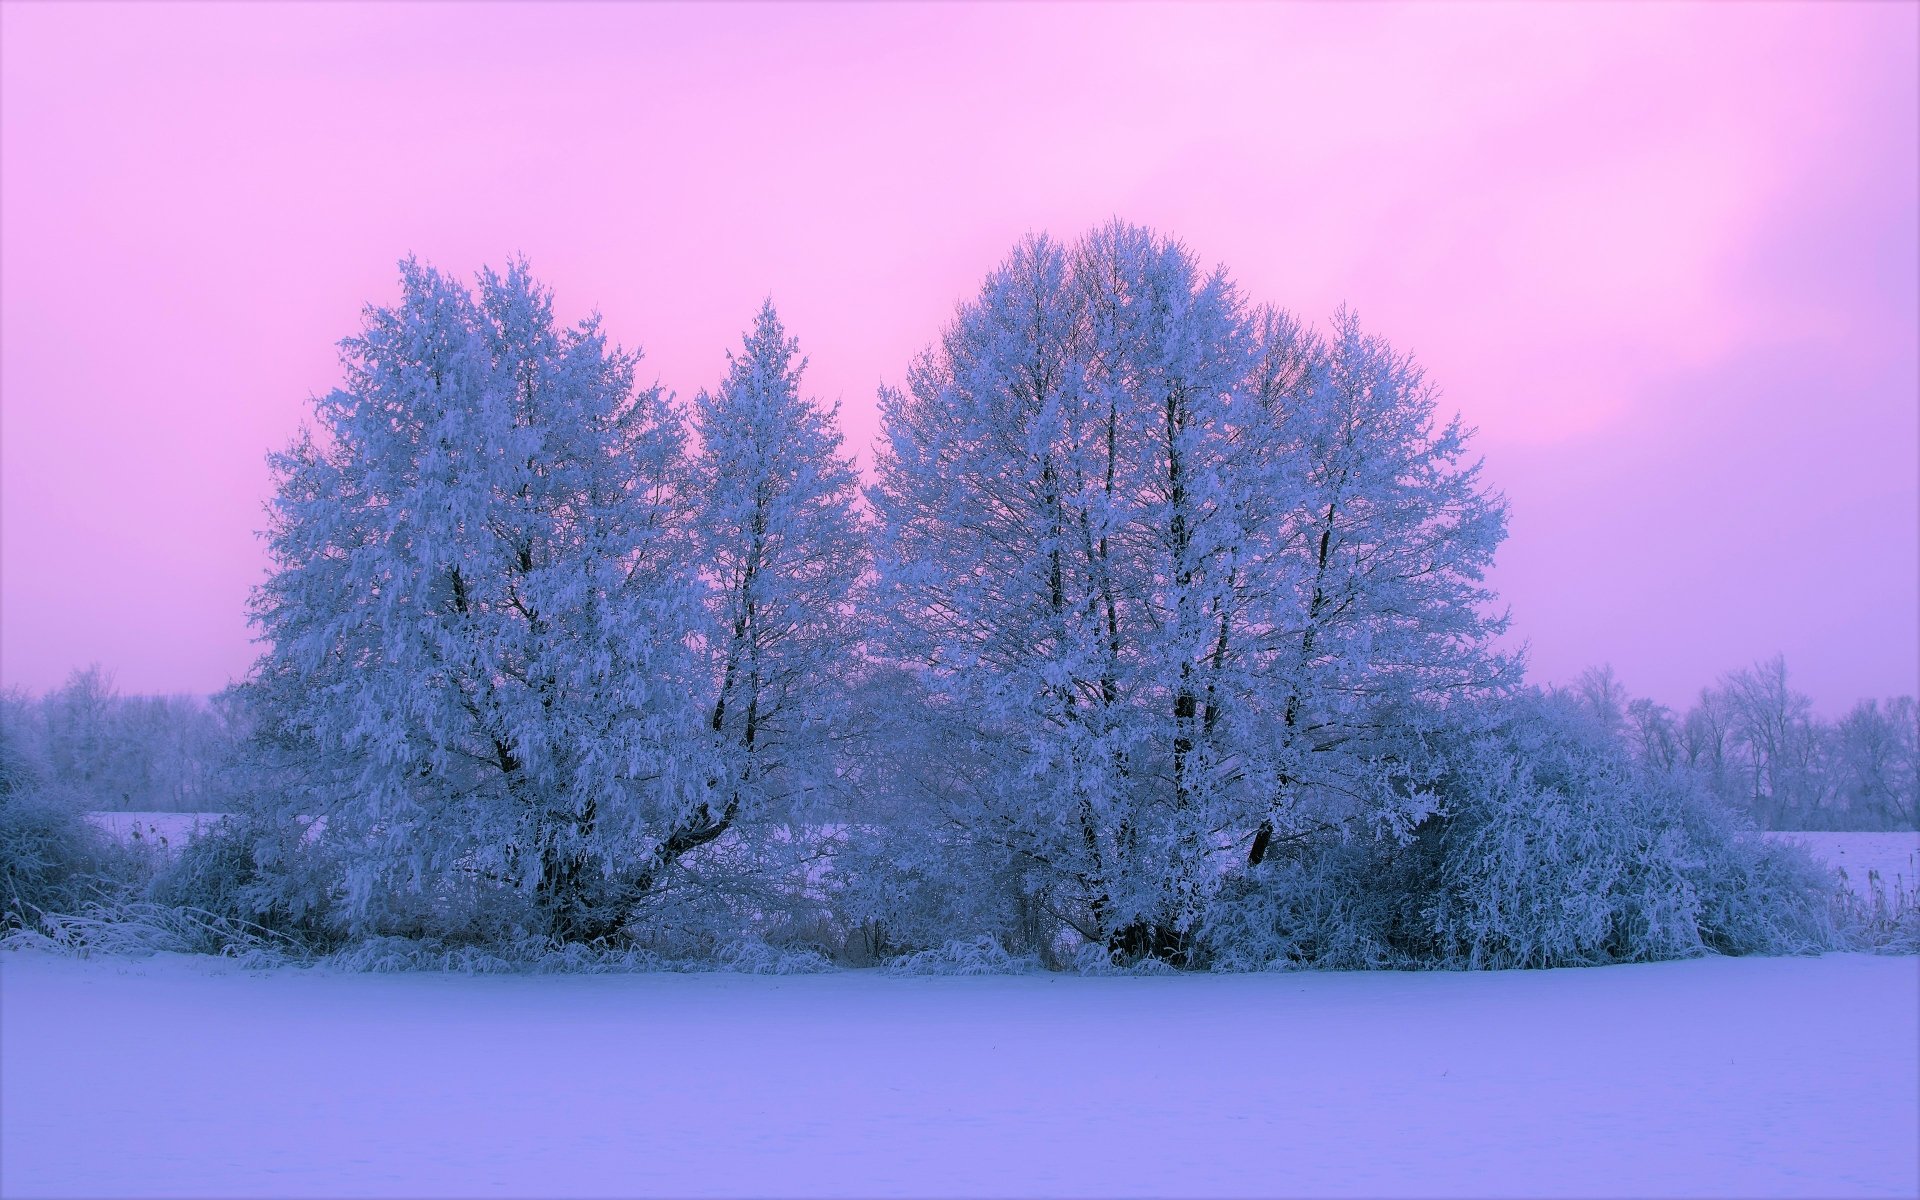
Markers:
point(1647, 728)
point(80, 740)
point(1876, 760)
point(1604, 697)
point(1773, 729)
point(1706, 743)
point(479, 611)
point(1754, 743)
point(1655, 736)
point(23, 761)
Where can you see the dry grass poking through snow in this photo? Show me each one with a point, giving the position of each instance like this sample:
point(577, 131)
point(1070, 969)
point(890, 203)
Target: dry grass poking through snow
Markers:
point(1892, 860)
point(1880, 875)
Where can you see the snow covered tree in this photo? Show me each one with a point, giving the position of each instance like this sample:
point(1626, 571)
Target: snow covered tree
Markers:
point(79, 721)
point(783, 546)
point(23, 758)
point(1876, 761)
point(1774, 738)
point(479, 614)
point(1174, 557)
point(1599, 689)
point(1654, 733)
point(1382, 555)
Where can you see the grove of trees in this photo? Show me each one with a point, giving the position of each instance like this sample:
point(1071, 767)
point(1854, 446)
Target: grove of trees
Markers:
point(104, 750)
point(1755, 743)
point(1161, 634)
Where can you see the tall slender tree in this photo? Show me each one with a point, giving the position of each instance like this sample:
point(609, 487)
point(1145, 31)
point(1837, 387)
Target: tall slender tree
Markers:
point(783, 544)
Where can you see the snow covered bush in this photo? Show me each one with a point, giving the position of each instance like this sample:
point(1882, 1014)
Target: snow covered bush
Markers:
point(911, 873)
point(259, 873)
point(982, 955)
point(1554, 852)
point(136, 928)
point(53, 860)
point(1549, 848)
point(1756, 896)
point(1322, 902)
point(67, 885)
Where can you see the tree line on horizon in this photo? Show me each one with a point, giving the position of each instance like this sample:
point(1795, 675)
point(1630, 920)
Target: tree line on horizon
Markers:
point(1161, 635)
point(1753, 739)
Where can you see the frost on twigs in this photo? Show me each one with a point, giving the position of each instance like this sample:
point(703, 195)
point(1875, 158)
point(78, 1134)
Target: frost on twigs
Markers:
point(1551, 848)
point(981, 955)
point(1166, 564)
point(524, 649)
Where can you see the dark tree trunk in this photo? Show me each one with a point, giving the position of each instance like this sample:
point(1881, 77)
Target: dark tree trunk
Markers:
point(1150, 939)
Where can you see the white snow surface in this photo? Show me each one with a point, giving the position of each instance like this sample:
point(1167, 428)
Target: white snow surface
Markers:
point(1893, 857)
point(178, 828)
point(1742, 1077)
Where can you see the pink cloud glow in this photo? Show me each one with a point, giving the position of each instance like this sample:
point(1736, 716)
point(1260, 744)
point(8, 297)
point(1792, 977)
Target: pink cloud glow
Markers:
point(1663, 256)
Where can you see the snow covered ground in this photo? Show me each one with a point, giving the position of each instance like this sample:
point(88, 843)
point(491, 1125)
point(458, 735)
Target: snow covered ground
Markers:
point(1746, 1077)
point(177, 828)
point(1894, 857)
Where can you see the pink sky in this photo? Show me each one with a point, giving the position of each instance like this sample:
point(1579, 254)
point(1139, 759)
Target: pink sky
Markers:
point(1664, 257)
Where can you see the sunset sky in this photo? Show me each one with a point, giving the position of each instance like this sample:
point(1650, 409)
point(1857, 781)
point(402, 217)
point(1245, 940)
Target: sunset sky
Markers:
point(1664, 257)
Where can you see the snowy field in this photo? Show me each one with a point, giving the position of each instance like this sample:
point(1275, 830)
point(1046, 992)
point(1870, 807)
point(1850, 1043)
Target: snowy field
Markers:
point(1894, 857)
point(177, 828)
point(1742, 1077)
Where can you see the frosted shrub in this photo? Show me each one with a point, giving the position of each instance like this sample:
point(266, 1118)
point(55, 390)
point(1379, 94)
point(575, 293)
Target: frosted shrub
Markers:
point(388, 954)
point(910, 891)
point(1755, 896)
point(753, 957)
point(1555, 854)
point(543, 955)
point(1331, 904)
point(1551, 849)
point(283, 877)
point(1557, 851)
point(982, 955)
point(256, 872)
point(1092, 958)
point(68, 886)
point(135, 928)
point(52, 860)
point(911, 872)
point(683, 929)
